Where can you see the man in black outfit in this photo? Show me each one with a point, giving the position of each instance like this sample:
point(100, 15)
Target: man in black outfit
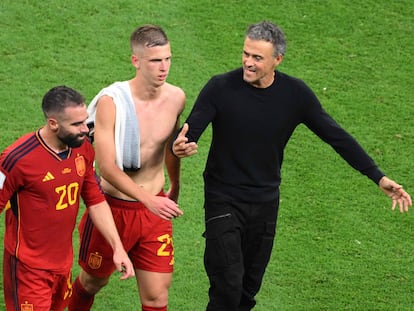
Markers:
point(254, 111)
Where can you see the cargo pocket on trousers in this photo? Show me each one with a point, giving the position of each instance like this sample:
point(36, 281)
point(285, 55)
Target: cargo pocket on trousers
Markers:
point(223, 246)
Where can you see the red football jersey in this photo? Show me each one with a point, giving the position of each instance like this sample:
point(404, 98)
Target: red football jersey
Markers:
point(44, 193)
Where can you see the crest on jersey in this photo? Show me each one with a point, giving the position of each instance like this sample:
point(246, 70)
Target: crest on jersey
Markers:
point(80, 165)
point(95, 261)
point(26, 306)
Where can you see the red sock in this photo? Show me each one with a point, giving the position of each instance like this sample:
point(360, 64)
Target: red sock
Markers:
point(80, 300)
point(146, 308)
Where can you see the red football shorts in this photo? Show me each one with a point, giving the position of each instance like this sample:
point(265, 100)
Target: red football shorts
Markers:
point(31, 289)
point(146, 237)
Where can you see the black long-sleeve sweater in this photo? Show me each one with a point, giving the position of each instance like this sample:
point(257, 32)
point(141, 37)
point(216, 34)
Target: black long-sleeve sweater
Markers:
point(251, 127)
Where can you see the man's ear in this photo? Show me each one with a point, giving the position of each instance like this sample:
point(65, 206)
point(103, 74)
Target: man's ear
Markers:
point(278, 59)
point(135, 61)
point(53, 124)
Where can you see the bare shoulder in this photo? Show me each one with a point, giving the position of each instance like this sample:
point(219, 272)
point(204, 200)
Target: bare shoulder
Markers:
point(105, 107)
point(176, 94)
point(105, 101)
point(173, 88)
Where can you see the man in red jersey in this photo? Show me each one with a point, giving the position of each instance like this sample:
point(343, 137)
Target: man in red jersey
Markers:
point(42, 177)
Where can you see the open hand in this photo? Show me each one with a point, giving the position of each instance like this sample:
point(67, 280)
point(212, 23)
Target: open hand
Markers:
point(163, 207)
point(396, 193)
point(123, 264)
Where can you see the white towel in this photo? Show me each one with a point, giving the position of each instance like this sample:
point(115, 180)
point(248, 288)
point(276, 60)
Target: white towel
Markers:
point(126, 125)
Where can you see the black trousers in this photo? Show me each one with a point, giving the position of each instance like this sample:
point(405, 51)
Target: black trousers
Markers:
point(239, 241)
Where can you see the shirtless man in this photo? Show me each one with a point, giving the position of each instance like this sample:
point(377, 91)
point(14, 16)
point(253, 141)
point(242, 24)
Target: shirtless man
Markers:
point(133, 180)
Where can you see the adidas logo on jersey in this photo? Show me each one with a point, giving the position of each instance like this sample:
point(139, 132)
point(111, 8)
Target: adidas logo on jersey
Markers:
point(48, 177)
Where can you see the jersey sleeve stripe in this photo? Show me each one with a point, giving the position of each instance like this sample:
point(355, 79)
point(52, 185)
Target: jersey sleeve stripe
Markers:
point(19, 152)
point(86, 237)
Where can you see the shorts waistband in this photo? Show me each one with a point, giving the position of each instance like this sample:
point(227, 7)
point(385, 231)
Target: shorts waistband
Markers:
point(115, 202)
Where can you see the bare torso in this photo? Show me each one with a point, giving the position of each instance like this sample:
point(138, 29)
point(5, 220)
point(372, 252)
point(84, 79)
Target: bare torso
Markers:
point(157, 118)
